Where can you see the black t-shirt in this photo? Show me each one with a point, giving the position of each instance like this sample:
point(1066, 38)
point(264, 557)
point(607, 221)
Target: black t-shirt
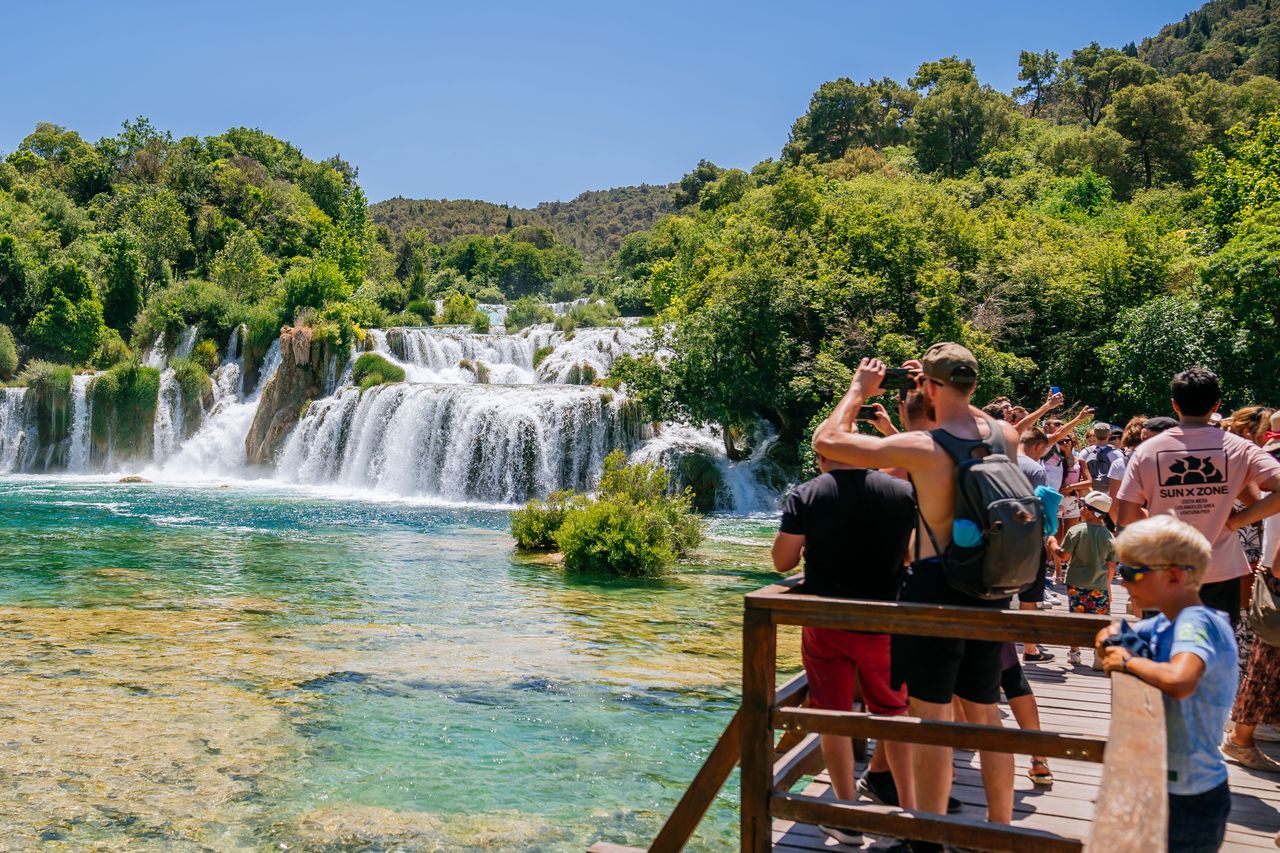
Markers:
point(856, 524)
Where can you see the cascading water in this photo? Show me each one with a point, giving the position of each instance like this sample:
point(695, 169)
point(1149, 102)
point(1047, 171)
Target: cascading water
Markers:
point(217, 448)
point(81, 418)
point(19, 437)
point(739, 490)
point(459, 442)
point(168, 429)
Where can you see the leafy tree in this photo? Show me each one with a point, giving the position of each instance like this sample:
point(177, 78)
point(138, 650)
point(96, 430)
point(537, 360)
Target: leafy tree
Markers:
point(15, 287)
point(312, 285)
point(1038, 73)
point(725, 190)
point(1092, 75)
point(844, 115)
point(8, 354)
point(159, 226)
point(958, 123)
point(1245, 276)
point(692, 184)
point(949, 69)
point(1245, 183)
point(1153, 120)
point(70, 325)
point(242, 268)
point(122, 280)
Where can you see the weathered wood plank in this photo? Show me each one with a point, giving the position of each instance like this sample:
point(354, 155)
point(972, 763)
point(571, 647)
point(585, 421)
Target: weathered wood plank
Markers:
point(1133, 809)
point(759, 665)
point(963, 735)
point(928, 620)
point(901, 823)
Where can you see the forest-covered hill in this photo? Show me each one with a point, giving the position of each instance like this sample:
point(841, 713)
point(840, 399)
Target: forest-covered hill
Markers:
point(1226, 39)
point(594, 223)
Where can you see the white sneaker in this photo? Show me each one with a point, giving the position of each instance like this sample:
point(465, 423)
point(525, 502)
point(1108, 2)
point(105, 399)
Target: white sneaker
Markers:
point(1073, 658)
point(844, 836)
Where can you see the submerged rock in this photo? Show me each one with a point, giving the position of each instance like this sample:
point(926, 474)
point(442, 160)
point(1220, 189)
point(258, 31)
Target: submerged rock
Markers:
point(133, 478)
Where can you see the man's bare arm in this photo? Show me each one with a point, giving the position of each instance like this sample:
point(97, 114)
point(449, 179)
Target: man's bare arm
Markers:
point(787, 548)
point(1054, 401)
point(1268, 506)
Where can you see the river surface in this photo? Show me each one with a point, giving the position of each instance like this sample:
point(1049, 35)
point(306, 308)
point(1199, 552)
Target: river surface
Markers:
point(254, 668)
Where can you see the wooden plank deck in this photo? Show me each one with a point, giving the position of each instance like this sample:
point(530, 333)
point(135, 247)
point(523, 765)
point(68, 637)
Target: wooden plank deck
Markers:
point(1073, 700)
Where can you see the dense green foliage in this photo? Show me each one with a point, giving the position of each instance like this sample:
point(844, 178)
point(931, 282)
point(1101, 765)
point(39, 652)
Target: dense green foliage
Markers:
point(534, 526)
point(1098, 230)
point(372, 369)
point(1226, 39)
point(8, 354)
point(631, 527)
point(594, 223)
point(50, 385)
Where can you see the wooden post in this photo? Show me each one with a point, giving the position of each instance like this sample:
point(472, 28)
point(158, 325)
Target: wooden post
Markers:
point(759, 671)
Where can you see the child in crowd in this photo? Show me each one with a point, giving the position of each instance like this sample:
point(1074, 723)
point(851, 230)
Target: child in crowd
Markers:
point(1090, 547)
point(1193, 662)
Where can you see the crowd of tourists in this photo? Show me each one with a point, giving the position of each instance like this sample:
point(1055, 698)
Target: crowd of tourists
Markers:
point(953, 505)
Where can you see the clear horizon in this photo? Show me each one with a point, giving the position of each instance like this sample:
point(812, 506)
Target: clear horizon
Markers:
point(510, 103)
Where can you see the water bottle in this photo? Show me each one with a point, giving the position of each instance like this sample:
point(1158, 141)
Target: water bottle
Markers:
point(965, 534)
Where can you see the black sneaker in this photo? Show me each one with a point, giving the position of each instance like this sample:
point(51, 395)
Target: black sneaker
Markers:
point(1038, 657)
point(880, 789)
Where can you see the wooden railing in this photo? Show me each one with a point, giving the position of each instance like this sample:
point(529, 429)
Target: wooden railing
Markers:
point(1131, 812)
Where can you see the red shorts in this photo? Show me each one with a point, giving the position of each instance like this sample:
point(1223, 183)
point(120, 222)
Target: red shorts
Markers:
point(834, 658)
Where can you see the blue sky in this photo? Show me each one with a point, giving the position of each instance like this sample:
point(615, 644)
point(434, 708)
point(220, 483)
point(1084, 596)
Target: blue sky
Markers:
point(508, 102)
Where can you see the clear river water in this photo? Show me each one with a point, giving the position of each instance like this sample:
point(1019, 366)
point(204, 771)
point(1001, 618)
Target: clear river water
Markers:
point(260, 667)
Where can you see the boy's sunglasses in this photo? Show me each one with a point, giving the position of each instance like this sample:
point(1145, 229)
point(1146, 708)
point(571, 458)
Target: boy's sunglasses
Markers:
point(1133, 574)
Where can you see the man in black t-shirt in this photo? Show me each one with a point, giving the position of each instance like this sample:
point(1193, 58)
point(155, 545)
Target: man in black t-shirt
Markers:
point(853, 526)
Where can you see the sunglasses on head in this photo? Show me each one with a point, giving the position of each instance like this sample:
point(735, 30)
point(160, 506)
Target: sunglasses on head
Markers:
point(1133, 574)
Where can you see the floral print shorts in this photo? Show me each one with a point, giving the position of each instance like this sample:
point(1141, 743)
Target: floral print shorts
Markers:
point(1081, 600)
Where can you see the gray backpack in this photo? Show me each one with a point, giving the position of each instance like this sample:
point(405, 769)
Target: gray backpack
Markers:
point(1099, 465)
point(994, 494)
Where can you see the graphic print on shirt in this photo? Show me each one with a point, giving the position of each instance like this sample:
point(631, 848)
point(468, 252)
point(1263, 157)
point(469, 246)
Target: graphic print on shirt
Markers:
point(1193, 478)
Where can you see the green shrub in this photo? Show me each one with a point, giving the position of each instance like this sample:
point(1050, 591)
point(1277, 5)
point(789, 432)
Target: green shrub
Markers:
point(535, 526)
point(312, 284)
point(633, 527)
point(206, 355)
point(191, 303)
point(580, 374)
point(124, 409)
point(480, 323)
point(425, 309)
point(490, 295)
point(616, 537)
point(459, 309)
point(541, 353)
point(372, 369)
point(8, 354)
point(586, 316)
point(196, 387)
point(112, 350)
point(525, 312)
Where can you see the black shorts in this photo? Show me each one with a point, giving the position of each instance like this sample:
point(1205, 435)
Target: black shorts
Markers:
point(1013, 681)
point(937, 668)
point(1224, 596)
point(1034, 594)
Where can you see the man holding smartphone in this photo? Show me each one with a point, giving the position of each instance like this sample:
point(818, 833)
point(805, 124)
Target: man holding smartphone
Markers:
point(934, 669)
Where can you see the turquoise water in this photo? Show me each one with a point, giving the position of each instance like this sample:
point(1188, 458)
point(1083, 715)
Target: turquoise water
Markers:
point(253, 668)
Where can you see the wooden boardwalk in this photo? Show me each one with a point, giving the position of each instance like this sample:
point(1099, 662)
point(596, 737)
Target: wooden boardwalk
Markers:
point(1072, 700)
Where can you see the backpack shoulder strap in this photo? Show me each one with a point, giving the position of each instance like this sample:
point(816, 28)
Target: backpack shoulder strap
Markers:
point(959, 448)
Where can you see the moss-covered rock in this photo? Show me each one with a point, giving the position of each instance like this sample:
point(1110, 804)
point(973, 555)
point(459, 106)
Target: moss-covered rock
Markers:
point(50, 387)
point(124, 411)
point(700, 473)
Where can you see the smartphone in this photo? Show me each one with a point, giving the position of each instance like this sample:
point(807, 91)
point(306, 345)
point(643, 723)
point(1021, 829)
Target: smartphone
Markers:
point(898, 378)
point(1054, 389)
point(867, 413)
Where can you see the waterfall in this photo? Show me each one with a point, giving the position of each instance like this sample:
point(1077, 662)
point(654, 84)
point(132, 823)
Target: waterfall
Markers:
point(19, 438)
point(186, 342)
point(155, 356)
point(217, 448)
point(167, 429)
point(442, 355)
point(81, 418)
point(459, 442)
point(589, 354)
point(740, 490)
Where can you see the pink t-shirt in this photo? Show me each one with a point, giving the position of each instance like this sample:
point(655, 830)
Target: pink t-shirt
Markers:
point(1196, 474)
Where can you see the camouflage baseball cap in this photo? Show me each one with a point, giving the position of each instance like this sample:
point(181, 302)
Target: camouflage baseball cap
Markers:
point(950, 363)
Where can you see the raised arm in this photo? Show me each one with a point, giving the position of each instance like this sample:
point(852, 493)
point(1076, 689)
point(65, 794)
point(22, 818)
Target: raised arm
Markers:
point(1069, 427)
point(1053, 402)
point(837, 439)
